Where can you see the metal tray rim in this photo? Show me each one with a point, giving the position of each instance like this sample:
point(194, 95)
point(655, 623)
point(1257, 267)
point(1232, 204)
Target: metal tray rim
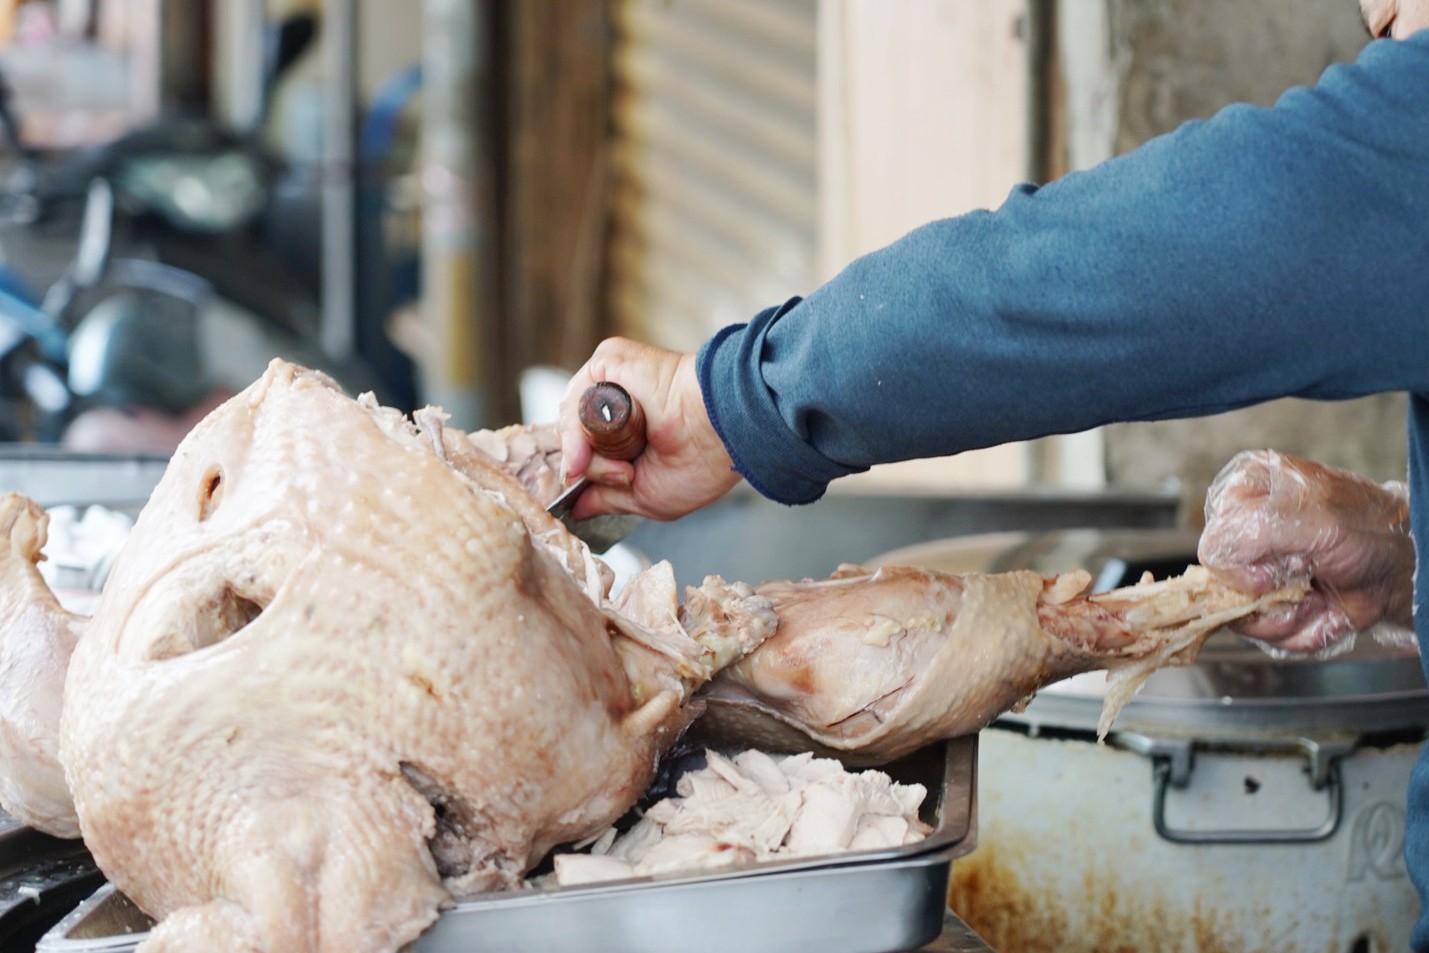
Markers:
point(58, 941)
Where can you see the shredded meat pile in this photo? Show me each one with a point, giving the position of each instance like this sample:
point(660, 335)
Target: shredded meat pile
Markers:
point(752, 807)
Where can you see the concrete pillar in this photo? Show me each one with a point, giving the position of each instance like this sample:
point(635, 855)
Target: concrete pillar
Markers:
point(1134, 69)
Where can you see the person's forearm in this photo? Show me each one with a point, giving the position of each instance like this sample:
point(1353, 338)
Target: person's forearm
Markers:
point(1263, 253)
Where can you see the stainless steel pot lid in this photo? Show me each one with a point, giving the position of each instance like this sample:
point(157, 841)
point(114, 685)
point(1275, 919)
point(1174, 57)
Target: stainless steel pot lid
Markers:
point(1234, 688)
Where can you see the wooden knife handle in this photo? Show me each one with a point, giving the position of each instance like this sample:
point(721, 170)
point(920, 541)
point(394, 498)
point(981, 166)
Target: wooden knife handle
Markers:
point(613, 421)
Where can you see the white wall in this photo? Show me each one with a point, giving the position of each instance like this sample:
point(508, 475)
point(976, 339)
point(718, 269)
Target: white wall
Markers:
point(923, 114)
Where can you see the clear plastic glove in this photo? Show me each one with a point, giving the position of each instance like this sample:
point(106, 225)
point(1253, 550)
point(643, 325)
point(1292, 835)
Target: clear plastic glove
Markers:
point(684, 465)
point(1273, 519)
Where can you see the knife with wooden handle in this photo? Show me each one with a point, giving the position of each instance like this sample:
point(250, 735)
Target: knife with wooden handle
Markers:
point(615, 426)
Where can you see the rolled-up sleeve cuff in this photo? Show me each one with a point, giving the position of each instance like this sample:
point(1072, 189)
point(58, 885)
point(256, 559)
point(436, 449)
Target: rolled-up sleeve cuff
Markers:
point(773, 458)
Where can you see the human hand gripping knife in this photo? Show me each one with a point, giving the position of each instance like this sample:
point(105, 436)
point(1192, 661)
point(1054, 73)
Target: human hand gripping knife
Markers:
point(615, 426)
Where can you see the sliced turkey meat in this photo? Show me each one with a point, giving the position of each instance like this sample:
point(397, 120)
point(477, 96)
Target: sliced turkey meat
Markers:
point(37, 637)
point(753, 807)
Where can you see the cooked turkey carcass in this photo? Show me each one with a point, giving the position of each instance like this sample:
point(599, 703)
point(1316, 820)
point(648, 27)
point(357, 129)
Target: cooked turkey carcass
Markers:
point(346, 668)
point(884, 661)
point(37, 637)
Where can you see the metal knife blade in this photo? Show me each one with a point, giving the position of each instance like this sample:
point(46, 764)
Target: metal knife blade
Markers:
point(562, 505)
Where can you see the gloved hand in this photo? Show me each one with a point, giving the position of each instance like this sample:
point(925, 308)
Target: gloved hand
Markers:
point(684, 465)
point(1272, 519)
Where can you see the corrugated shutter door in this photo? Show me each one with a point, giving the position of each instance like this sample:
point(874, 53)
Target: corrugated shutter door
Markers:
point(715, 202)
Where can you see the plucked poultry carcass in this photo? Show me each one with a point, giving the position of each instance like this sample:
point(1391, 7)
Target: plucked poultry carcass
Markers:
point(750, 807)
point(37, 637)
point(347, 668)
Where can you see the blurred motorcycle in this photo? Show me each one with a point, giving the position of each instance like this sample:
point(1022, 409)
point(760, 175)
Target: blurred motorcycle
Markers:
point(171, 301)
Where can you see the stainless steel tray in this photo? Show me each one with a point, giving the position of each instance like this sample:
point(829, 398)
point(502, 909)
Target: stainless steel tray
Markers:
point(886, 901)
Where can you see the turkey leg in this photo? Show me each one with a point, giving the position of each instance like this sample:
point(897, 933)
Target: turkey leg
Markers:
point(884, 661)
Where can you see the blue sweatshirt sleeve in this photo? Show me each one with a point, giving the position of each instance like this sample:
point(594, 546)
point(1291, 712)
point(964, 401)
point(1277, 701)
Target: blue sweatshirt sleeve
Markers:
point(1265, 252)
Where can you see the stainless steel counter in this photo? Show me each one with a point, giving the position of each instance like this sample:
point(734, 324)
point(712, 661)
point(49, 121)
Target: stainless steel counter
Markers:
point(747, 537)
point(743, 536)
point(52, 477)
point(957, 937)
